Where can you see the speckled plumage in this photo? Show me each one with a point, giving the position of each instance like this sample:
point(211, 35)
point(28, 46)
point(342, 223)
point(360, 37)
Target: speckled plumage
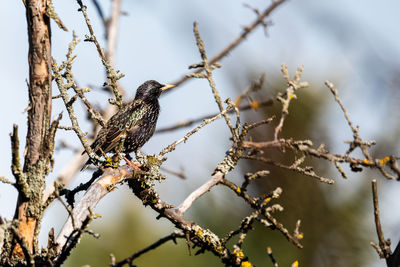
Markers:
point(137, 120)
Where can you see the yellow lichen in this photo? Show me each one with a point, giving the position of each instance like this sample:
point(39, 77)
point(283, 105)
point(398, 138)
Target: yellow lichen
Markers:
point(246, 264)
point(219, 248)
point(295, 264)
point(254, 105)
point(300, 236)
point(238, 190)
point(238, 253)
point(384, 160)
point(365, 161)
point(237, 101)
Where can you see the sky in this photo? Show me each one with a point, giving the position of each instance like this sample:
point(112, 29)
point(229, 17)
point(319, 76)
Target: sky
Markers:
point(353, 42)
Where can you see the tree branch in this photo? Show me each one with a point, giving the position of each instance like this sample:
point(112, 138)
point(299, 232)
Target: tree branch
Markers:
point(247, 30)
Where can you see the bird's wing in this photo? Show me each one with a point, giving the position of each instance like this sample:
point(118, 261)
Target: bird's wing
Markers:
point(127, 119)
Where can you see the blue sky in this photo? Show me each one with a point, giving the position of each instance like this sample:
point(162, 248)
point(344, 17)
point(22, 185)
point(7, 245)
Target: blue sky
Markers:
point(354, 42)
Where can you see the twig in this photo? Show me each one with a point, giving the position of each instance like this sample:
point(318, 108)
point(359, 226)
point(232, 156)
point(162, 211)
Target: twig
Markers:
point(112, 75)
point(185, 205)
point(240, 192)
point(16, 167)
point(173, 236)
point(94, 114)
point(93, 195)
point(239, 39)
point(75, 164)
point(305, 146)
point(66, 174)
point(112, 31)
point(293, 239)
point(68, 208)
point(172, 146)
point(339, 101)
point(208, 72)
point(71, 241)
point(51, 13)
point(305, 171)
point(6, 181)
point(63, 88)
point(191, 122)
point(271, 256)
point(179, 174)
point(357, 142)
point(255, 86)
point(384, 250)
point(294, 85)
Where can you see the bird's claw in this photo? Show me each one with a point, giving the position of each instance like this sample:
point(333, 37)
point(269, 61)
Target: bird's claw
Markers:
point(133, 165)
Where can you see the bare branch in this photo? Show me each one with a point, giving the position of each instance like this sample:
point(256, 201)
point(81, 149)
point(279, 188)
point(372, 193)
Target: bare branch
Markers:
point(193, 121)
point(208, 72)
point(6, 181)
point(271, 256)
point(247, 30)
point(172, 146)
point(112, 30)
point(285, 99)
point(384, 245)
point(173, 236)
point(112, 75)
point(105, 184)
point(187, 203)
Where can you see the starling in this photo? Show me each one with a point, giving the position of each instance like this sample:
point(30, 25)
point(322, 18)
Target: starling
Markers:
point(136, 120)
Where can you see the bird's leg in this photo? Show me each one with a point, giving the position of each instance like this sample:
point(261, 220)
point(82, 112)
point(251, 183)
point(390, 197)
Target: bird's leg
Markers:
point(119, 156)
point(133, 165)
point(108, 159)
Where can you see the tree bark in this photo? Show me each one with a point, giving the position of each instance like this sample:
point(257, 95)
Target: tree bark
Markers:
point(37, 153)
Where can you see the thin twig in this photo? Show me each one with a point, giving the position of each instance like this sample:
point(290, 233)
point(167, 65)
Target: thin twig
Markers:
point(112, 75)
point(187, 203)
point(285, 99)
point(208, 72)
point(247, 30)
point(305, 171)
point(193, 121)
point(172, 146)
point(357, 142)
point(384, 245)
point(112, 31)
point(6, 181)
point(173, 236)
point(271, 256)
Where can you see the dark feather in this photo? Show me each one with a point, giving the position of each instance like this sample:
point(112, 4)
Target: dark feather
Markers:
point(137, 120)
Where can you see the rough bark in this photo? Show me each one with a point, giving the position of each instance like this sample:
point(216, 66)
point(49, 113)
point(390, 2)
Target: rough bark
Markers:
point(37, 153)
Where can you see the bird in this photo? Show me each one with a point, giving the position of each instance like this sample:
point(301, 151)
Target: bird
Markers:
point(136, 121)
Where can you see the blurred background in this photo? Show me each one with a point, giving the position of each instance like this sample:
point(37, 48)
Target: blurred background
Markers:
point(354, 44)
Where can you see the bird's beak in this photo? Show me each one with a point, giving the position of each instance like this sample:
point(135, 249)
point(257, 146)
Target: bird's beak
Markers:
point(167, 86)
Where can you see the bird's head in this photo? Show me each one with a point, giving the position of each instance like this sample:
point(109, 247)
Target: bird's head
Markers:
point(151, 90)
